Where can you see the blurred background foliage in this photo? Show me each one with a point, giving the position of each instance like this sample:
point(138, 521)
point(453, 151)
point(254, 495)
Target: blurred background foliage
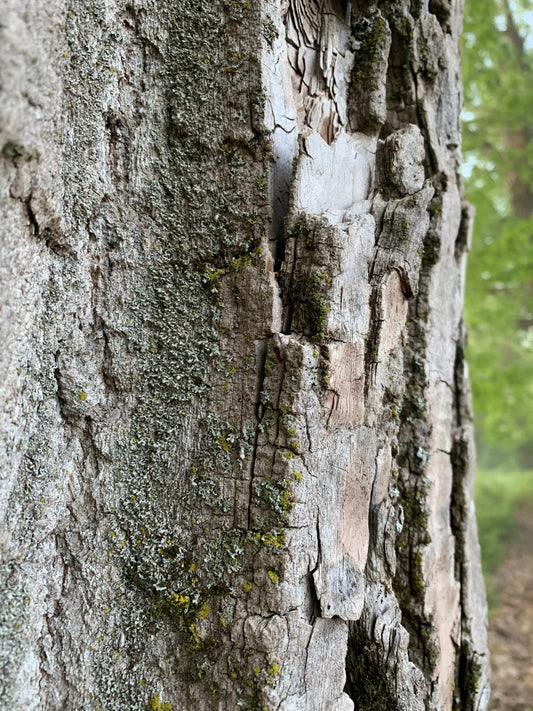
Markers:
point(498, 171)
point(498, 155)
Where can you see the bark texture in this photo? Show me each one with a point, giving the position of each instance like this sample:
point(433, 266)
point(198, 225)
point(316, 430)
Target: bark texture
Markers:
point(237, 457)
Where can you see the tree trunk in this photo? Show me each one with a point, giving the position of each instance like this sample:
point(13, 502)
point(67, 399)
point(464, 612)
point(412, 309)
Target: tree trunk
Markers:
point(237, 450)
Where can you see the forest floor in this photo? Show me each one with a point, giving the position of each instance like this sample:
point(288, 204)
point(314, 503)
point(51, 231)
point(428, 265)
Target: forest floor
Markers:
point(511, 621)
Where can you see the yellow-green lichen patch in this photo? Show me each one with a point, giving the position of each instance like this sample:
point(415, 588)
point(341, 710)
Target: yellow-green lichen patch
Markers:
point(156, 705)
point(274, 577)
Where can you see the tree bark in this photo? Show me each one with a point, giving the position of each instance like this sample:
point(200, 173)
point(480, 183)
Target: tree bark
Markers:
point(237, 449)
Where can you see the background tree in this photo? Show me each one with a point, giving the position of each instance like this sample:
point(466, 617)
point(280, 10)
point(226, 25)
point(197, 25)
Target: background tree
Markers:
point(237, 451)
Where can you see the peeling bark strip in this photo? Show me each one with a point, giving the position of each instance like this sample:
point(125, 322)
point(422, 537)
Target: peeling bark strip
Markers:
point(237, 460)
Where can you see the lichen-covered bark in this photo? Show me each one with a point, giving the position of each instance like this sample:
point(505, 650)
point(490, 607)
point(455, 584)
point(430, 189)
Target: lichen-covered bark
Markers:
point(236, 459)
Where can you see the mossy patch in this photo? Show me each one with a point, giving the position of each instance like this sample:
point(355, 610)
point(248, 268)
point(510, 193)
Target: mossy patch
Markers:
point(308, 286)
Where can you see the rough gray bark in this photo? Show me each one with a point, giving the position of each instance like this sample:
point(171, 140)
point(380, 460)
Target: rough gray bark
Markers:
point(236, 460)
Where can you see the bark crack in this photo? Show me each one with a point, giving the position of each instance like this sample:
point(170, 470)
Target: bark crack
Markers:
point(261, 354)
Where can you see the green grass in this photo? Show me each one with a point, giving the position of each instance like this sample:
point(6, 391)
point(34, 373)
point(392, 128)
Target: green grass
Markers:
point(498, 496)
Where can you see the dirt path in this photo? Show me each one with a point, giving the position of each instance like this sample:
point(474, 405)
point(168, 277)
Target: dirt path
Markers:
point(511, 625)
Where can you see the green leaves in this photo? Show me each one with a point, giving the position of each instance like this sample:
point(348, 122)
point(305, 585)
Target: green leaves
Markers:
point(498, 150)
